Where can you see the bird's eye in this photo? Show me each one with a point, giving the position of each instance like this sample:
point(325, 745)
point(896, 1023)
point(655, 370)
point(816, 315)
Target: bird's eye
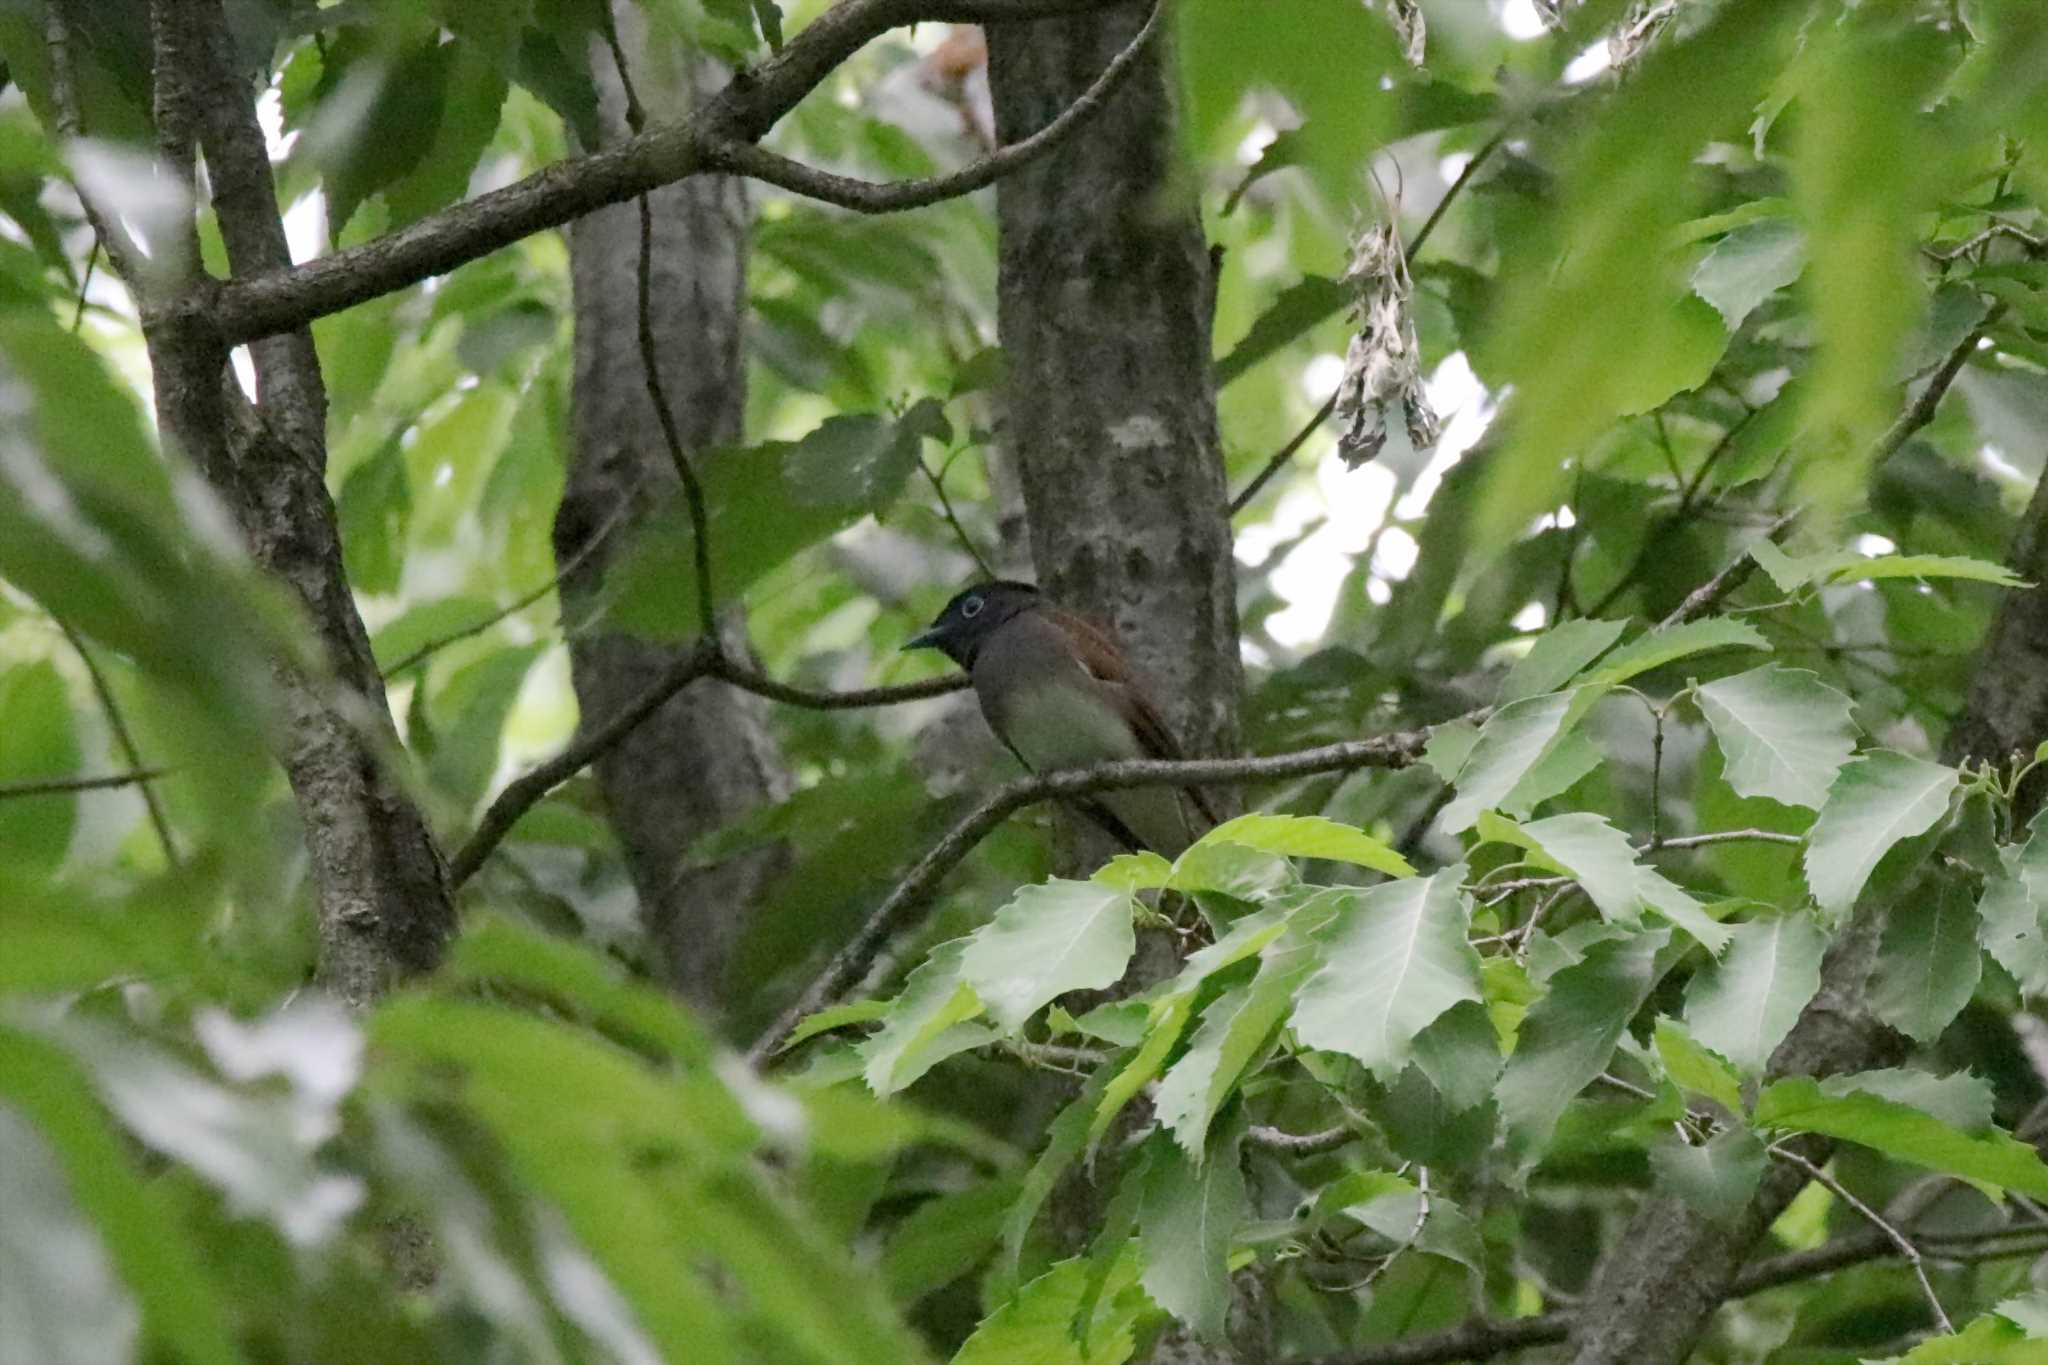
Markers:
point(971, 607)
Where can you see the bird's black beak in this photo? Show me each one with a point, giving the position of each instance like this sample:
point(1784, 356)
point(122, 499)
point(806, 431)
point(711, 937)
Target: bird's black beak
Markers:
point(924, 639)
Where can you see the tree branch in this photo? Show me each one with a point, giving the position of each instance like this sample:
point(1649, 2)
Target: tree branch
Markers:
point(867, 196)
point(1396, 750)
point(117, 721)
point(58, 786)
point(257, 305)
point(760, 684)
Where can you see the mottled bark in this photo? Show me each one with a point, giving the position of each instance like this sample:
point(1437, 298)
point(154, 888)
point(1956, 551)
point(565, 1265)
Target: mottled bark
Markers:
point(1105, 291)
point(1673, 1266)
point(707, 756)
point(383, 900)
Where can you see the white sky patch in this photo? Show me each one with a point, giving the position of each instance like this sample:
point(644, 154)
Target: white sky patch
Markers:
point(245, 371)
point(1874, 545)
point(1320, 377)
point(305, 226)
point(1532, 617)
point(1454, 390)
point(1520, 21)
point(1996, 463)
point(1453, 166)
point(1255, 143)
point(1588, 64)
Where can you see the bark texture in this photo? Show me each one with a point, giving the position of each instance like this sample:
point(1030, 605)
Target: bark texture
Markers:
point(1671, 1269)
point(1105, 292)
point(707, 756)
point(383, 900)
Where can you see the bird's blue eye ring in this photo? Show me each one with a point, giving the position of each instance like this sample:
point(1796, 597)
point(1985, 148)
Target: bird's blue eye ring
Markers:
point(971, 607)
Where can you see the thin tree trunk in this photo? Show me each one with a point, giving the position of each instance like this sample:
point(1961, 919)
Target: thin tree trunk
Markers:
point(1651, 1298)
point(706, 757)
point(1105, 290)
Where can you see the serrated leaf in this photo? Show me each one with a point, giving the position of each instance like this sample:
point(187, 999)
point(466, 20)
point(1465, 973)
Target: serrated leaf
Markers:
point(1783, 733)
point(1460, 1053)
point(1928, 963)
point(1065, 1138)
point(1718, 1178)
point(1187, 1219)
point(1568, 1036)
point(2013, 913)
point(837, 1016)
point(1679, 906)
point(1874, 802)
point(1798, 1104)
point(1990, 1340)
point(1508, 746)
point(909, 1043)
point(1235, 1028)
point(945, 1238)
point(1694, 1067)
point(1557, 657)
point(1924, 566)
point(1309, 836)
point(1960, 1100)
point(1037, 1322)
point(1050, 939)
point(1170, 1020)
point(1673, 643)
point(1394, 959)
point(1597, 854)
point(1744, 1006)
point(1748, 266)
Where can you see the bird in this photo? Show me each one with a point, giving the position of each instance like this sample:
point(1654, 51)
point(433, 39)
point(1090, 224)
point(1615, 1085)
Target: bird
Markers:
point(1058, 693)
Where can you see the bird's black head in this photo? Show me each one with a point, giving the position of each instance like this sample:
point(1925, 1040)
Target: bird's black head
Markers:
point(971, 617)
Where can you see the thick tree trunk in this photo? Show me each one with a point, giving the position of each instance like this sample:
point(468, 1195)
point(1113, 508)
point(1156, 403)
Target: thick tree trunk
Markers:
point(1671, 1269)
point(707, 756)
point(1105, 298)
point(1105, 293)
point(384, 904)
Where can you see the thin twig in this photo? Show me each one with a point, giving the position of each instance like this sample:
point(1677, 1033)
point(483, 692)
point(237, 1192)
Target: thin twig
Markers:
point(1301, 1144)
point(524, 791)
point(1877, 1220)
point(938, 482)
point(1283, 455)
point(650, 363)
point(92, 260)
point(1725, 836)
point(58, 786)
point(867, 196)
point(760, 684)
point(124, 737)
point(1921, 410)
point(1396, 750)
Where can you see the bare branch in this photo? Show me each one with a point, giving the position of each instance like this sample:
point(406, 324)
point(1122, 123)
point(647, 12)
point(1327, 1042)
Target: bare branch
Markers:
point(117, 721)
point(867, 196)
point(1921, 410)
point(907, 900)
point(748, 680)
point(1877, 1220)
point(58, 786)
point(260, 304)
point(1301, 1144)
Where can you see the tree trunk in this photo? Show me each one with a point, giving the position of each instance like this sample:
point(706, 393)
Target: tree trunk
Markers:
point(1105, 292)
point(1671, 1269)
point(383, 902)
point(706, 757)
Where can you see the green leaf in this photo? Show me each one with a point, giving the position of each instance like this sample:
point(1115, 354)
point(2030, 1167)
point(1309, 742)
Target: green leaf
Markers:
point(160, 1266)
point(1874, 802)
point(1992, 1339)
point(1169, 1021)
point(1187, 1219)
point(1694, 1068)
point(1784, 733)
point(1673, 643)
point(1719, 1179)
point(1857, 570)
point(836, 1017)
point(2013, 913)
point(1509, 744)
point(1928, 963)
point(1748, 266)
point(37, 740)
point(1065, 1138)
point(945, 1238)
point(922, 1027)
point(1557, 657)
point(1236, 1026)
point(380, 112)
point(1743, 1006)
point(857, 460)
point(1309, 836)
point(1798, 1104)
point(1568, 1036)
point(1036, 1324)
point(478, 699)
point(1050, 939)
point(1296, 310)
point(1398, 1210)
point(1960, 1100)
point(65, 1305)
point(1460, 1054)
point(1597, 854)
point(1394, 958)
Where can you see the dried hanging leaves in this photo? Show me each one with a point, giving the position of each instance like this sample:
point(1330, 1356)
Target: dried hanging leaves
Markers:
point(1383, 367)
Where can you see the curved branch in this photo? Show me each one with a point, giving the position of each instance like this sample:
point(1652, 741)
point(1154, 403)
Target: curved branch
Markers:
point(1396, 750)
point(761, 685)
point(264, 302)
point(58, 786)
point(867, 196)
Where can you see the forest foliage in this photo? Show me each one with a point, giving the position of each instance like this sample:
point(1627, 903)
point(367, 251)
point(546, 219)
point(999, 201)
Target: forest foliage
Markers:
point(1738, 295)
